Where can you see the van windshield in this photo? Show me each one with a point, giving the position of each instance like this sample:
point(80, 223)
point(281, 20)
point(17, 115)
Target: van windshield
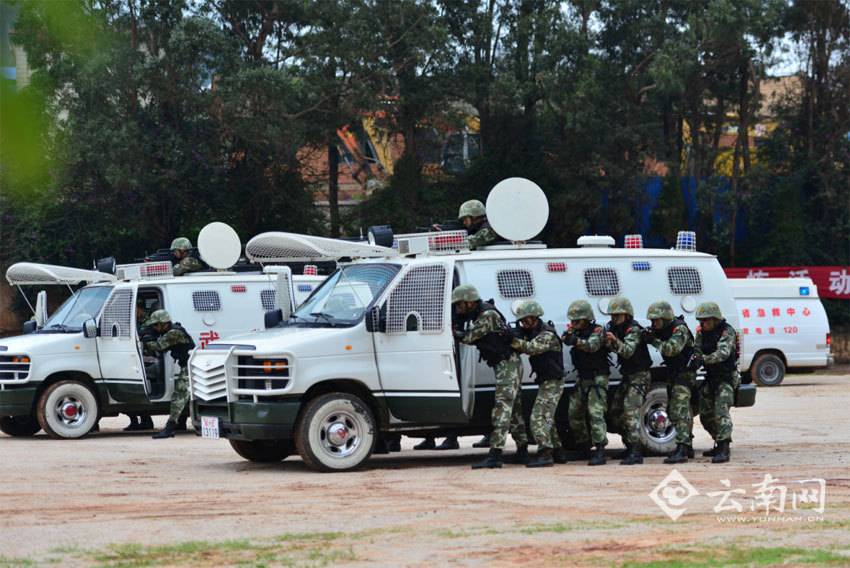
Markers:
point(346, 294)
point(83, 305)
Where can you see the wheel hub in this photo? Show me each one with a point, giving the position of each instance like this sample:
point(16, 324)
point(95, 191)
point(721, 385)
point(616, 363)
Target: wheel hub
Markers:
point(659, 421)
point(338, 434)
point(69, 411)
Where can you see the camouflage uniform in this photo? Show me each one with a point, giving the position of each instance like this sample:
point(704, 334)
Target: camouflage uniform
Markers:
point(172, 338)
point(717, 394)
point(548, 392)
point(589, 399)
point(188, 264)
point(628, 399)
point(681, 382)
point(507, 406)
point(481, 234)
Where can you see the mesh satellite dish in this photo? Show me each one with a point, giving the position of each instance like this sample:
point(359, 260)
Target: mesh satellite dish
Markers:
point(219, 245)
point(517, 209)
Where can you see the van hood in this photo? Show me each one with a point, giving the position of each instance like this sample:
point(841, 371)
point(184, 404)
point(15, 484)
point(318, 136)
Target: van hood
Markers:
point(41, 343)
point(307, 342)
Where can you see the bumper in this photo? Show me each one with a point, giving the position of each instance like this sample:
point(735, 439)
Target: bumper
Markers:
point(249, 420)
point(17, 401)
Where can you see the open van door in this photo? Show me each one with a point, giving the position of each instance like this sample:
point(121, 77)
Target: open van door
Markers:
point(117, 346)
point(415, 349)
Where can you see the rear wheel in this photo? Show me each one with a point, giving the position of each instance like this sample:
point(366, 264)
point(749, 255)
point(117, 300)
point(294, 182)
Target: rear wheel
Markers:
point(657, 433)
point(19, 425)
point(768, 370)
point(263, 451)
point(336, 432)
point(67, 409)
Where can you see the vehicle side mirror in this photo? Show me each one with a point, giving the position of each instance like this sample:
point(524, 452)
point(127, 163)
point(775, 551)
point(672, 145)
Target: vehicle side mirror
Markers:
point(272, 318)
point(30, 326)
point(90, 328)
point(374, 322)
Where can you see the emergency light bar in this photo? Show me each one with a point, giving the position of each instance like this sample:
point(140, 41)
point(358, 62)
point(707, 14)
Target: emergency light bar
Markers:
point(145, 270)
point(686, 240)
point(633, 242)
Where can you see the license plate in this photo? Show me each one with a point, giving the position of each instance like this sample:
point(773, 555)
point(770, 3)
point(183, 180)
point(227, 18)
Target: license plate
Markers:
point(209, 427)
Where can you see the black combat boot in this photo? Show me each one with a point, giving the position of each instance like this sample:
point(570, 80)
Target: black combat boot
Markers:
point(493, 460)
point(691, 452)
point(167, 432)
point(559, 455)
point(134, 424)
point(712, 452)
point(394, 443)
point(145, 423)
point(450, 443)
point(598, 457)
point(426, 444)
point(544, 459)
point(181, 423)
point(678, 456)
point(633, 457)
point(484, 442)
point(624, 454)
point(520, 456)
point(723, 452)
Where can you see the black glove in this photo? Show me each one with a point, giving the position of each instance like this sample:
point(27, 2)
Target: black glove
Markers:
point(648, 335)
point(569, 338)
point(695, 362)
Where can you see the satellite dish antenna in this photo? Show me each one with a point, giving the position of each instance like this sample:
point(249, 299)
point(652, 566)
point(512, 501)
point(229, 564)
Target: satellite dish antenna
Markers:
point(517, 209)
point(219, 245)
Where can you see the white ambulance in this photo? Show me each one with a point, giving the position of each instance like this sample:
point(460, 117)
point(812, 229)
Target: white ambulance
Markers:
point(371, 351)
point(782, 325)
point(85, 361)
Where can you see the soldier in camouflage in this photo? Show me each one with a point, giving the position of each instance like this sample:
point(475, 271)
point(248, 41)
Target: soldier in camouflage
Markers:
point(716, 347)
point(541, 342)
point(142, 317)
point(473, 215)
point(174, 339)
point(488, 332)
point(589, 400)
point(180, 248)
point(624, 337)
point(671, 336)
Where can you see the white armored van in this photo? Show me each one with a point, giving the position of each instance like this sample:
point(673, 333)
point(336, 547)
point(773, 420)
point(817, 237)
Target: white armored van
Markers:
point(371, 351)
point(85, 361)
point(783, 325)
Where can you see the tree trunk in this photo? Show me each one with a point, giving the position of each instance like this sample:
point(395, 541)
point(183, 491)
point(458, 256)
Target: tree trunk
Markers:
point(333, 184)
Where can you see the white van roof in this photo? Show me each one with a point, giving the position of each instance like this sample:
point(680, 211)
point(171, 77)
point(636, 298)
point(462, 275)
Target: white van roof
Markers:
point(773, 287)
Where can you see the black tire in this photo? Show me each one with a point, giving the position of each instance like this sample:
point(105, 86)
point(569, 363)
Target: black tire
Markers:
point(657, 433)
point(263, 451)
point(335, 432)
point(767, 370)
point(19, 425)
point(67, 409)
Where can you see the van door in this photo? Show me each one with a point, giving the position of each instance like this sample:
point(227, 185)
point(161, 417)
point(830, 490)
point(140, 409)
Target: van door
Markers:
point(416, 351)
point(120, 361)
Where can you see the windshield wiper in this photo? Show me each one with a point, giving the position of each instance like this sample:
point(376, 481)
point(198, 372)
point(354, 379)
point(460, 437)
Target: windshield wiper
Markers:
point(59, 326)
point(330, 319)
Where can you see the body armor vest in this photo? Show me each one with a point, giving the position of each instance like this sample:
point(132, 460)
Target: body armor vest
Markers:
point(494, 347)
point(640, 359)
point(180, 352)
point(679, 362)
point(709, 345)
point(588, 364)
point(548, 366)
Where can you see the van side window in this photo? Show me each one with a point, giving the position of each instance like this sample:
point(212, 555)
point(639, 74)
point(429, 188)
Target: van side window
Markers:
point(206, 301)
point(684, 280)
point(116, 316)
point(421, 293)
point(515, 284)
point(601, 282)
point(267, 299)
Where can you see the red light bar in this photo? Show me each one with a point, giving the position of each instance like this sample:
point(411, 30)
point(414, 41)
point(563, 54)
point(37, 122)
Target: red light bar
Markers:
point(238, 288)
point(634, 242)
point(310, 270)
point(556, 266)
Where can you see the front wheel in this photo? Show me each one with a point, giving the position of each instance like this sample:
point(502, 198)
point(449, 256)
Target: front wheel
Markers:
point(19, 425)
point(336, 432)
point(263, 451)
point(657, 433)
point(67, 409)
point(767, 370)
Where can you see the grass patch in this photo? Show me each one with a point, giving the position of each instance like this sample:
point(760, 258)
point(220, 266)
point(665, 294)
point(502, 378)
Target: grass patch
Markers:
point(682, 557)
point(15, 562)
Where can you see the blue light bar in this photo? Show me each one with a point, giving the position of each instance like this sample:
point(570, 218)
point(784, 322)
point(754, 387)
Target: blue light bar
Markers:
point(804, 290)
point(304, 288)
point(640, 265)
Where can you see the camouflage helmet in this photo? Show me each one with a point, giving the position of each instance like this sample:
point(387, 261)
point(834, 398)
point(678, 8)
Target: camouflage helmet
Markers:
point(465, 293)
point(181, 243)
point(159, 316)
point(471, 208)
point(580, 309)
point(620, 305)
point(528, 308)
point(660, 310)
point(708, 310)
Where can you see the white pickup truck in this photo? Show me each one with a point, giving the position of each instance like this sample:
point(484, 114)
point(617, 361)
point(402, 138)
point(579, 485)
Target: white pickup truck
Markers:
point(782, 325)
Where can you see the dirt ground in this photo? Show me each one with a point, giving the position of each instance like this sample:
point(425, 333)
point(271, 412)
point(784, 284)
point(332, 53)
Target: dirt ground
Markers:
point(119, 499)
